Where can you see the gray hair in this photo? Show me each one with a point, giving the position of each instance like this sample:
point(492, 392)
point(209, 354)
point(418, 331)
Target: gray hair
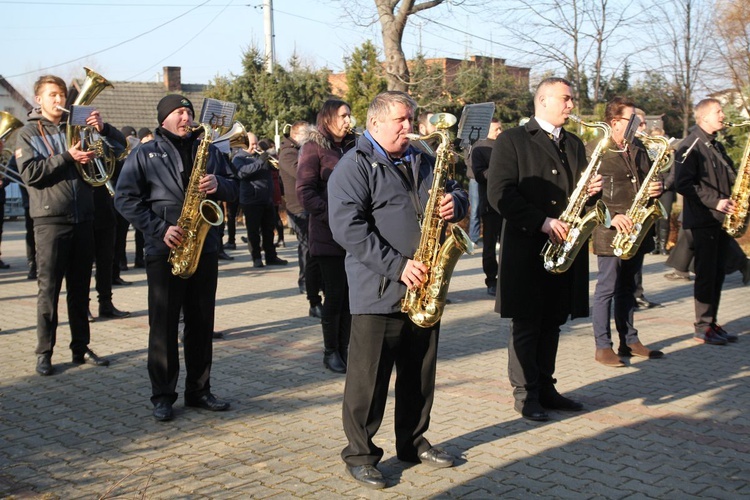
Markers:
point(382, 103)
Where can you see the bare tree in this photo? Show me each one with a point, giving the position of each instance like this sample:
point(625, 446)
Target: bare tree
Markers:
point(681, 37)
point(733, 45)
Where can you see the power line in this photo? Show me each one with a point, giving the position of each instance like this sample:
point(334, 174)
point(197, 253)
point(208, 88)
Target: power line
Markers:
point(113, 46)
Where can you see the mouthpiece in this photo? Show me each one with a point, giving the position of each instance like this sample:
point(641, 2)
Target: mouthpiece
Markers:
point(63, 109)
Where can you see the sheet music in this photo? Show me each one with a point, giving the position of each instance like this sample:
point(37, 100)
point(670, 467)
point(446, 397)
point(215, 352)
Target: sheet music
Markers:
point(475, 122)
point(78, 115)
point(218, 114)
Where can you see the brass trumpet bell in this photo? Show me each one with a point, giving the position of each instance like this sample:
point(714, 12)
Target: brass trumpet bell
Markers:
point(236, 136)
point(8, 123)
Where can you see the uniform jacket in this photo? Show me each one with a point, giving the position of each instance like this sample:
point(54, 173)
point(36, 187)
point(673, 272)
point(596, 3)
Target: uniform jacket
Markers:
point(58, 194)
point(288, 159)
point(622, 177)
point(703, 177)
point(254, 173)
point(526, 183)
point(374, 214)
point(150, 192)
point(481, 152)
point(318, 157)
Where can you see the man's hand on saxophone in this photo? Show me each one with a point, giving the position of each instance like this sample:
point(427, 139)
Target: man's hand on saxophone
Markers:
point(446, 207)
point(173, 236)
point(622, 223)
point(595, 186)
point(726, 206)
point(655, 189)
point(556, 229)
point(414, 274)
point(208, 184)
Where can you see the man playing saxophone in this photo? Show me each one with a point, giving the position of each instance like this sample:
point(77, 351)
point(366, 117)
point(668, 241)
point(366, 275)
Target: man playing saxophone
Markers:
point(376, 200)
point(533, 171)
point(704, 177)
point(61, 205)
point(150, 194)
point(624, 167)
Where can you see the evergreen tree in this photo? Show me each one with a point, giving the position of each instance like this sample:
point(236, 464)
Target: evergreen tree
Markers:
point(364, 79)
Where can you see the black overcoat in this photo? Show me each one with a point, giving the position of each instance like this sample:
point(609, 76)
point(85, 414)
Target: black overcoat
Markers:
point(527, 182)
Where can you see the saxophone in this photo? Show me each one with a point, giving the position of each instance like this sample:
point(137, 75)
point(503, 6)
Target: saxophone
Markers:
point(736, 224)
point(626, 244)
point(197, 216)
point(558, 257)
point(425, 304)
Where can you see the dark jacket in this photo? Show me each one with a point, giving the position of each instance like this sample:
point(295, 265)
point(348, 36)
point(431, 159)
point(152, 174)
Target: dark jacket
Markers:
point(318, 157)
point(150, 192)
point(254, 173)
point(703, 177)
point(288, 158)
point(622, 177)
point(374, 217)
point(57, 194)
point(479, 163)
point(526, 183)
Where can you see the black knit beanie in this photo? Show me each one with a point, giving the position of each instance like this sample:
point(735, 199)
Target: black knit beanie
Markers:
point(170, 103)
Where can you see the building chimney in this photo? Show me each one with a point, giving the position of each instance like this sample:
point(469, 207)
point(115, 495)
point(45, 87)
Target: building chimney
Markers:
point(172, 78)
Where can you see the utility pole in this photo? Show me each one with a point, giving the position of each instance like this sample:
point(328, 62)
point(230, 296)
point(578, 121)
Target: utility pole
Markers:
point(269, 35)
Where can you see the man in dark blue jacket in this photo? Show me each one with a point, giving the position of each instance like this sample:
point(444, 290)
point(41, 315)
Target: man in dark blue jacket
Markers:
point(150, 194)
point(376, 201)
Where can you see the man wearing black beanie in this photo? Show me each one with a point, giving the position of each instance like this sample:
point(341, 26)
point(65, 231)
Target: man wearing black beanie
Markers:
point(150, 194)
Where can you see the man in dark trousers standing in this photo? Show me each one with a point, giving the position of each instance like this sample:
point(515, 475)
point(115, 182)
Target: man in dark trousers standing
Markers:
point(704, 177)
point(376, 198)
point(533, 171)
point(492, 222)
point(151, 194)
point(62, 206)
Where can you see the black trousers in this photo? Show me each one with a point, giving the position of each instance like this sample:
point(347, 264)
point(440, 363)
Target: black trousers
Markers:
point(231, 221)
point(711, 249)
point(167, 295)
point(260, 222)
point(532, 353)
point(139, 244)
point(30, 240)
point(309, 270)
point(335, 319)
point(63, 251)
point(104, 256)
point(681, 256)
point(378, 343)
point(492, 226)
point(120, 236)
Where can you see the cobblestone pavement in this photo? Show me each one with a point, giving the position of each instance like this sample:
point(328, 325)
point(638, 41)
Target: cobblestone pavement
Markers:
point(671, 428)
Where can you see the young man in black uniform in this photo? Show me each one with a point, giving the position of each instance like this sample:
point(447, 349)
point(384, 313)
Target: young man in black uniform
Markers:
point(150, 194)
point(62, 206)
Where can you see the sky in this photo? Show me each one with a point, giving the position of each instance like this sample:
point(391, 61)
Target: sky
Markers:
point(206, 38)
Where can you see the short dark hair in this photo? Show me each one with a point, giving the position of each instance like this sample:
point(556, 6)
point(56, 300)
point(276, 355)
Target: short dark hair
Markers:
point(45, 79)
point(552, 80)
point(616, 106)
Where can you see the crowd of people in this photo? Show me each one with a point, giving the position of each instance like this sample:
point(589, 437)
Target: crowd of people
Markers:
point(356, 203)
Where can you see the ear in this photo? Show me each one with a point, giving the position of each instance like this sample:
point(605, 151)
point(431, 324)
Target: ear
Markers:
point(38, 99)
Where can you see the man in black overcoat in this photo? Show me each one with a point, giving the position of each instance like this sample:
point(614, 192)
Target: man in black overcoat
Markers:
point(533, 171)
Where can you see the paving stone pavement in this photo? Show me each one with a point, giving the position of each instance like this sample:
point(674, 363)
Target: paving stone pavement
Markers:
point(674, 428)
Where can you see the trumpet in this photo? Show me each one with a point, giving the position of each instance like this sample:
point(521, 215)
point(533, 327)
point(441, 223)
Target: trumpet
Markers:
point(273, 161)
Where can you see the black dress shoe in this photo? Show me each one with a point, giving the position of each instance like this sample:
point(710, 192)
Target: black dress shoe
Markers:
point(225, 256)
point(32, 271)
point(492, 290)
point(367, 475)
point(332, 360)
point(644, 303)
point(208, 402)
point(139, 263)
point(435, 457)
point(531, 410)
point(230, 246)
point(112, 312)
point(556, 401)
point(244, 239)
point(44, 365)
point(217, 335)
point(121, 282)
point(316, 311)
point(123, 266)
point(163, 411)
point(3, 265)
point(91, 358)
point(276, 262)
point(258, 263)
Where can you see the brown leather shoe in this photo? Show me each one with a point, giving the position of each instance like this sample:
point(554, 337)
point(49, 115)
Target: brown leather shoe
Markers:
point(640, 350)
point(607, 357)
